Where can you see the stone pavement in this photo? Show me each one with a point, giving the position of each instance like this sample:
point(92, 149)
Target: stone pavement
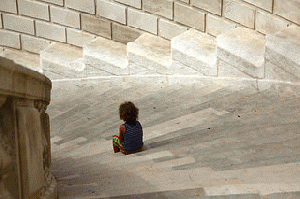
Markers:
point(203, 141)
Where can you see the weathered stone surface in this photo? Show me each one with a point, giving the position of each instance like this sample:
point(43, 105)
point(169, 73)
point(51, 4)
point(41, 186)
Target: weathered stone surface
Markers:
point(150, 52)
point(177, 68)
point(217, 25)
point(1, 25)
point(95, 72)
point(106, 55)
point(196, 50)
point(288, 9)
point(9, 6)
point(133, 3)
point(244, 49)
point(268, 23)
point(239, 12)
point(81, 5)
point(96, 25)
point(50, 31)
point(169, 29)
point(226, 70)
point(266, 4)
point(159, 7)
point(112, 11)
point(135, 70)
point(283, 49)
point(9, 39)
point(78, 38)
point(189, 16)
point(58, 2)
point(65, 17)
point(34, 44)
point(33, 9)
point(63, 59)
point(124, 34)
point(275, 73)
point(142, 20)
point(18, 23)
point(213, 6)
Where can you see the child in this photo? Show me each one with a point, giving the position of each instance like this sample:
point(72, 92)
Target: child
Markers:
point(130, 139)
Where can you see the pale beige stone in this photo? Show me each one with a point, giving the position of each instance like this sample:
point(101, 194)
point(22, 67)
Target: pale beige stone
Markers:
point(65, 17)
point(159, 7)
point(18, 23)
point(169, 29)
point(212, 6)
point(133, 3)
point(268, 23)
point(9, 39)
point(265, 4)
point(33, 9)
point(189, 16)
point(112, 11)
point(78, 38)
point(226, 70)
point(57, 2)
point(9, 6)
point(185, 1)
point(124, 34)
point(50, 31)
point(142, 20)
point(81, 5)
point(34, 44)
point(275, 73)
point(288, 9)
point(239, 12)
point(96, 25)
point(217, 25)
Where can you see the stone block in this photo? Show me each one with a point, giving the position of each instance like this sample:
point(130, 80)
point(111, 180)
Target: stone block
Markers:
point(64, 60)
point(160, 7)
point(54, 76)
point(189, 16)
point(18, 23)
point(9, 6)
point(94, 72)
point(169, 29)
point(112, 11)
point(133, 3)
point(288, 9)
point(235, 83)
point(185, 1)
point(151, 52)
point(177, 68)
point(196, 81)
point(124, 34)
point(106, 55)
point(9, 39)
point(148, 79)
point(33, 9)
point(135, 69)
point(142, 20)
point(57, 2)
point(239, 12)
point(226, 70)
point(87, 6)
point(268, 23)
point(34, 44)
point(96, 25)
point(275, 73)
point(217, 25)
point(196, 50)
point(212, 6)
point(31, 150)
point(65, 17)
point(78, 37)
point(283, 49)
point(50, 31)
point(244, 49)
point(266, 4)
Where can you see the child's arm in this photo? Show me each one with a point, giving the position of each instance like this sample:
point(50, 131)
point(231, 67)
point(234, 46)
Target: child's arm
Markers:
point(122, 132)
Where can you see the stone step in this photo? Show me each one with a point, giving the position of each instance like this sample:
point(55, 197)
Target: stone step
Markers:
point(24, 58)
point(243, 49)
point(61, 61)
point(149, 54)
point(196, 50)
point(105, 55)
point(283, 55)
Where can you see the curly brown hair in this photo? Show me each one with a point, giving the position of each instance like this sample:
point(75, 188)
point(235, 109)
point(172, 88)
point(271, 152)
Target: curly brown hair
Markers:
point(128, 112)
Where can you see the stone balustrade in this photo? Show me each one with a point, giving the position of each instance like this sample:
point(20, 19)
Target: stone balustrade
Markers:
point(25, 154)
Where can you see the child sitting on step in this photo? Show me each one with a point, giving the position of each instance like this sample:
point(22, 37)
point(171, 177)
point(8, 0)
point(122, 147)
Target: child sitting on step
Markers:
point(130, 139)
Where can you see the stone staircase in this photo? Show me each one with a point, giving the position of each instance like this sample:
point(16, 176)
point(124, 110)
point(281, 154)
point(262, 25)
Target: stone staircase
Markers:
point(201, 141)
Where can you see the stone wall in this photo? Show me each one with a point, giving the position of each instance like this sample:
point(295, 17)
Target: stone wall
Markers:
point(31, 24)
point(24, 134)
